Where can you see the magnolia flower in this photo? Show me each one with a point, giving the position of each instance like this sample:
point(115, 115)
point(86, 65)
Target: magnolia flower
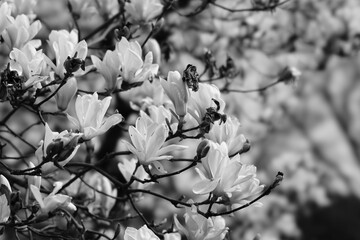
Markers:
point(56, 148)
point(177, 90)
point(202, 99)
point(143, 233)
point(109, 68)
point(224, 176)
point(133, 68)
point(90, 112)
point(153, 46)
point(24, 7)
point(228, 132)
point(53, 201)
point(101, 194)
point(20, 32)
point(33, 179)
point(65, 44)
point(65, 94)
point(148, 138)
point(29, 63)
point(197, 227)
point(143, 10)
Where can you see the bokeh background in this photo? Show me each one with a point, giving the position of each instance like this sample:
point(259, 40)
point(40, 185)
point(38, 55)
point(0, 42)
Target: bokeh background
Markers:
point(309, 130)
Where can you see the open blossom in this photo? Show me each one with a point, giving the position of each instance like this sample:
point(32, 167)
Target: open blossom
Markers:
point(29, 63)
point(65, 44)
point(56, 147)
point(20, 32)
point(148, 138)
point(143, 10)
point(53, 201)
point(109, 68)
point(133, 68)
point(197, 227)
point(177, 90)
point(228, 132)
point(225, 177)
point(90, 113)
point(143, 233)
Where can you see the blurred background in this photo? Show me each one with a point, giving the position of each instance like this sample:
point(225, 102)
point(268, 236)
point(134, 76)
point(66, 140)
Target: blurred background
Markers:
point(309, 130)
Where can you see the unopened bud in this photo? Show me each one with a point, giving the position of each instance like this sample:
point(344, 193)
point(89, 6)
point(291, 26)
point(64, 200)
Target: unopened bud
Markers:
point(289, 75)
point(158, 25)
point(66, 93)
point(202, 149)
point(246, 147)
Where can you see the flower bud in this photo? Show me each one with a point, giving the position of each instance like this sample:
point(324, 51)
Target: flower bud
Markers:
point(289, 75)
point(203, 149)
point(72, 64)
point(66, 93)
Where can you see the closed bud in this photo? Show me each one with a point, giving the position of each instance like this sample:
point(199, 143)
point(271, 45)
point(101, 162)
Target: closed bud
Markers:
point(289, 75)
point(158, 25)
point(202, 149)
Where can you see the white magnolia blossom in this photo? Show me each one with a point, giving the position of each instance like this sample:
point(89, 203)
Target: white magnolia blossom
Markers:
point(52, 201)
point(228, 132)
point(225, 177)
point(127, 169)
point(144, 233)
point(20, 31)
point(197, 227)
point(148, 139)
point(65, 94)
point(90, 113)
point(133, 68)
point(29, 63)
point(143, 10)
point(109, 68)
point(65, 44)
point(60, 147)
point(177, 90)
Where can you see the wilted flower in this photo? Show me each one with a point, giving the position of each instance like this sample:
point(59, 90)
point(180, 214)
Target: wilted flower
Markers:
point(90, 113)
point(20, 32)
point(109, 68)
point(148, 138)
point(143, 233)
point(197, 227)
point(65, 44)
point(201, 100)
point(228, 132)
point(143, 10)
point(56, 148)
point(177, 90)
point(133, 68)
point(53, 201)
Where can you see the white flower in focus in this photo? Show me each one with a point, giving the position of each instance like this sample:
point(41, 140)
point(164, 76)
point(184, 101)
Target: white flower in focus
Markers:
point(202, 99)
point(90, 113)
point(133, 68)
point(177, 90)
point(29, 63)
point(65, 44)
point(143, 10)
point(20, 32)
point(53, 201)
point(147, 139)
point(228, 132)
point(109, 68)
point(59, 147)
point(143, 233)
point(197, 227)
point(65, 94)
point(219, 171)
